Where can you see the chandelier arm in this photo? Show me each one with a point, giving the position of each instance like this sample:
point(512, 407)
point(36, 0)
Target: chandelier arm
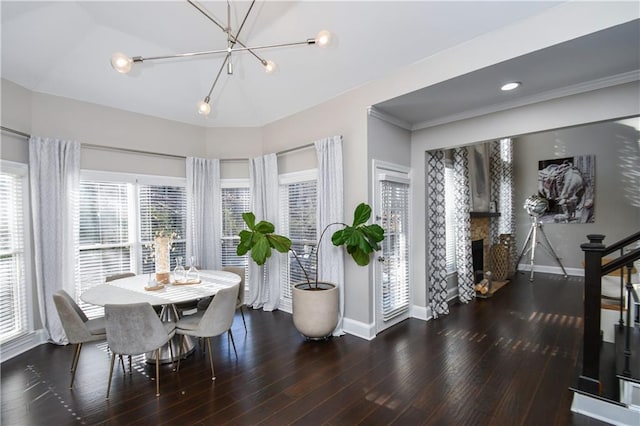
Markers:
point(213, 52)
point(226, 58)
point(219, 25)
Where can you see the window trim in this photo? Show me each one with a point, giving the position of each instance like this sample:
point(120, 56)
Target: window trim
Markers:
point(22, 170)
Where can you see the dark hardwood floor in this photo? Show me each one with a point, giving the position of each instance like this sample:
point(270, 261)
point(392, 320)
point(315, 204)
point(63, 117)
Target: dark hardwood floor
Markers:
point(508, 360)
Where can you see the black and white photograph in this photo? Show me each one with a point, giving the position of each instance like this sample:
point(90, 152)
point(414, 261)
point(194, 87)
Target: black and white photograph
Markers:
point(568, 184)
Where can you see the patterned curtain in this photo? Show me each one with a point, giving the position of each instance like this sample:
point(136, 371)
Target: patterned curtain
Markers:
point(464, 260)
point(436, 239)
point(501, 175)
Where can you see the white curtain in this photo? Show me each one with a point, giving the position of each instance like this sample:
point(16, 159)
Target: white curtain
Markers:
point(204, 213)
point(264, 281)
point(54, 171)
point(330, 210)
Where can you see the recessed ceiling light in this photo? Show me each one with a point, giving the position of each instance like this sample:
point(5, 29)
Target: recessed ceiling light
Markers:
point(510, 86)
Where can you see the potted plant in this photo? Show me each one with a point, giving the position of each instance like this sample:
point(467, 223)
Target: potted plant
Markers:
point(315, 303)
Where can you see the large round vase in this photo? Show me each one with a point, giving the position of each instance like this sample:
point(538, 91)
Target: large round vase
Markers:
point(315, 311)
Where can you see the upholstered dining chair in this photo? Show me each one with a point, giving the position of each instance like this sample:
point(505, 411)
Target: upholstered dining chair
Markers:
point(203, 303)
point(78, 328)
point(114, 277)
point(134, 329)
point(213, 322)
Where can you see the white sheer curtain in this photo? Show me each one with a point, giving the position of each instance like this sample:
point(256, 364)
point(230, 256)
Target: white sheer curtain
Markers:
point(54, 170)
point(204, 212)
point(264, 281)
point(330, 210)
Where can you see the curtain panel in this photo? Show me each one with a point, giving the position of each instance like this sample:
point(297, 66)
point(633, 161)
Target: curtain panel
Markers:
point(464, 259)
point(54, 175)
point(501, 177)
point(204, 213)
point(264, 281)
point(330, 210)
point(436, 239)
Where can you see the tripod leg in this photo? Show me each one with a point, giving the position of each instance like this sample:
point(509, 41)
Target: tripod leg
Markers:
point(534, 242)
point(524, 247)
point(552, 250)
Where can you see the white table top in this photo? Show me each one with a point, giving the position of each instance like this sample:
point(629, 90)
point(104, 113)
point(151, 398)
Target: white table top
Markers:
point(131, 290)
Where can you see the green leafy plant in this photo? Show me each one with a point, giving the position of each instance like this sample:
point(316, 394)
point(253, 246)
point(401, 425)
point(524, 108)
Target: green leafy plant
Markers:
point(359, 239)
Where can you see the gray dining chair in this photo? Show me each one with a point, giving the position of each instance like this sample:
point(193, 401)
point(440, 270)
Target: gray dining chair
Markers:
point(134, 329)
point(213, 322)
point(78, 328)
point(115, 277)
point(203, 303)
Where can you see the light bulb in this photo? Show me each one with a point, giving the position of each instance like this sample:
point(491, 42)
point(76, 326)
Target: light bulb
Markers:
point(323, 38)
point(203, 107)
point(510, 86)
point(270, 67)
point(121, 62)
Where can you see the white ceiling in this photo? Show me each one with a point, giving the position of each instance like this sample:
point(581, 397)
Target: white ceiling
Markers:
point(63, 48)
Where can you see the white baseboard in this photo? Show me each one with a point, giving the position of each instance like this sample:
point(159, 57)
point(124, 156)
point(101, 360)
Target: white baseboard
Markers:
point(604, 411)
point(359, 329)
point(22, 344)
point(575, 272)
point(421, 312)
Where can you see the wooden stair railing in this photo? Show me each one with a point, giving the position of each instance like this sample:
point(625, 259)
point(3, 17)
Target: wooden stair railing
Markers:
point(594, 251)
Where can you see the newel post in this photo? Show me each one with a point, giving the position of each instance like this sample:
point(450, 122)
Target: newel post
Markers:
point(589, 379)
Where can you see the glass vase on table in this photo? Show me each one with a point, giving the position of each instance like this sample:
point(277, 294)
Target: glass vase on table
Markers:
point(179, 273)
point(193, 274)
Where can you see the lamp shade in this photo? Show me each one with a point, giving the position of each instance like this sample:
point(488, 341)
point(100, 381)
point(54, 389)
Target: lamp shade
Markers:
point(121, 62)
point(204, 108)
point(323, 39)
point(270, 67)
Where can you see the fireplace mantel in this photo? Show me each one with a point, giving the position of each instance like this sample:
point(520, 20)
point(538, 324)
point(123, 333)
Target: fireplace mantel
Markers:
point(484, 214)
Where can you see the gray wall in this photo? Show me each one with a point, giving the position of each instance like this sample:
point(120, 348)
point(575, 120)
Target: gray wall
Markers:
point(617, 194)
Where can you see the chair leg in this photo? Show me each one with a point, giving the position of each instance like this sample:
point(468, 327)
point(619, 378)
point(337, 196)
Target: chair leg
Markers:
point(113, 358)
point(243, 321)
point(173, 366)
point(130, 370)
point(158, 372)
point(230, 334)
point(180, 351)
point(122, 364)
point(213, 374)
point(74, 363)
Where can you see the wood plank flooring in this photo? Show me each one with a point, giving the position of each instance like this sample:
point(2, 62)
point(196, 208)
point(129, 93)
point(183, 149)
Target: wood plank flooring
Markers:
point(507, 360)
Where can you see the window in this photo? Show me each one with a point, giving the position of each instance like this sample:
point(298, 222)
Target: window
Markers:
point(298, 200)
point(235, 201)
point(162, 208)
point(14, 310)
point(119, 215)
point(450, 217)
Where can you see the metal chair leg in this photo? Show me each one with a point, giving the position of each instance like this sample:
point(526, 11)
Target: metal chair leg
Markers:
point(230, 334)
point(243, 321)
point(180, 351)
point(74, 363)
point(158, 372)
point(113, 358)
point(213, 375)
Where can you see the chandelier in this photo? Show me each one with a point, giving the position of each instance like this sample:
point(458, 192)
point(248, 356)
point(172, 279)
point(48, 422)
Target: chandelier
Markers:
point(123, 63)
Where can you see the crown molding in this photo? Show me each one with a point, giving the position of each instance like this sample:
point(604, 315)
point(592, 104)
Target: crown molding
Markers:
point(575, 89)
point(375, 112)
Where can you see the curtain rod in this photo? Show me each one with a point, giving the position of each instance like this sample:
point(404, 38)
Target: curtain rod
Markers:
point(158, 154)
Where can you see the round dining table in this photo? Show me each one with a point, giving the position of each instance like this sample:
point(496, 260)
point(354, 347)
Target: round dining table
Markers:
point(140, 289)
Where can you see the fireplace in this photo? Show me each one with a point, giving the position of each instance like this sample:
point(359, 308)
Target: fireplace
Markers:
point(477, 254)
point(481, 242)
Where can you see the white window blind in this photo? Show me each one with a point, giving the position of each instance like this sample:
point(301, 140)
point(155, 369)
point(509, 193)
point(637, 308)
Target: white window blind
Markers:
point(235, 201)
point(105, 243)
point(13, 304)
point(450, 218)
point(395, 248)
point(298, 201)
point(162, 208)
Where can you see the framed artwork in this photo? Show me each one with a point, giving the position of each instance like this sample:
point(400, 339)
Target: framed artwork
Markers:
point(569, 186)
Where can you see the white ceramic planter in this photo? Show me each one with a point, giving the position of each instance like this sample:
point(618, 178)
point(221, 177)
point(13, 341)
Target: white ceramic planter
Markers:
point(315, 312)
